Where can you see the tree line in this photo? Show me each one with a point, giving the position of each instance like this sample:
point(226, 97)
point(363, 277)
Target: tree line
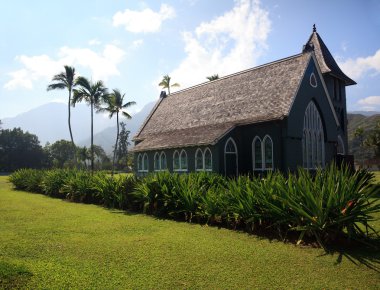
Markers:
point(19, 149)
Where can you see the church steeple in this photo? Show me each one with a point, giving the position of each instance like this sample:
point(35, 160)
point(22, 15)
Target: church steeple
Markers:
point(325, 60)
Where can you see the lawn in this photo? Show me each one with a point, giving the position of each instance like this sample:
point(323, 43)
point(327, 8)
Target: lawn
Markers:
point(377, 176)
point(49, 243)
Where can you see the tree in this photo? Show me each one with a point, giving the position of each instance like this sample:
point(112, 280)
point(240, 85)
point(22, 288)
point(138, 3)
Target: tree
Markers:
point(83, 155)
point(65, 80)
point(213, 77)
point(93, 94)
point(116, 105)
point(373, 140)
point(19, 149)
point(165, 83)
point(122, 148)
point(61, 151)
point(0, 124)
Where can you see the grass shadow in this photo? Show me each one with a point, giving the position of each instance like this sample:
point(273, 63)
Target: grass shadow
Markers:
point(358, 253)
point(13, 276)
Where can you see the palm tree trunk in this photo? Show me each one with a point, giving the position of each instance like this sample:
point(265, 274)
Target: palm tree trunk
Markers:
point(92, 137)
point(69, 121)
point(117, 139)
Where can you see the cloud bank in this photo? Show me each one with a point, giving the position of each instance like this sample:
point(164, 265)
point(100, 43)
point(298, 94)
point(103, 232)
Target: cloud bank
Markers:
point(226, 44)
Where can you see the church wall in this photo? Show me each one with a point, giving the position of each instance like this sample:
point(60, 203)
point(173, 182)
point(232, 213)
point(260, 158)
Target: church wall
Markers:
point(295, 122)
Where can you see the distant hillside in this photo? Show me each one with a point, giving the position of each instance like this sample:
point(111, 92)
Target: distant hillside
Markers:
point(49, 122)
point(106, 138)
point(367, 123)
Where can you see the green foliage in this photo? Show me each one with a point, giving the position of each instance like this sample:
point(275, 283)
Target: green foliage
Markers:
point(325, 206)
point(27, 179)
point(19, 149)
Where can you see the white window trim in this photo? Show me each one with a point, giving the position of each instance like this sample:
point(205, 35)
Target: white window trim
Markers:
point(204, 159)
point(203, 163)
point(312, 128)
point(316, 82)
point(203, 153)
point(263, 152)
point(144, 167)
point(157, 168)
point(161, 155)
point(225, 163)
point(180, 169)
point(254, 151)
point(139, 162)
point(340, 141)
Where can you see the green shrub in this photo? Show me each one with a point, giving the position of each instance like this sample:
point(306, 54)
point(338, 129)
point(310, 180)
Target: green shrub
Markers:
point(326, 205)
point(54, 180)
point(27, 179)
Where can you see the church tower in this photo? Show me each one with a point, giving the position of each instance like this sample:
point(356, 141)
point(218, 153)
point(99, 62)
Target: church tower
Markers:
point(336, 82)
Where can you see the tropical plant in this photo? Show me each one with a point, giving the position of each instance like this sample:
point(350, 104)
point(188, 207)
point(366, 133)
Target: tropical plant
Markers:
point(116, 105)
point(93, 94)
point(213, 77)
point(65, 80)
point(165, 83)
point(122, 153)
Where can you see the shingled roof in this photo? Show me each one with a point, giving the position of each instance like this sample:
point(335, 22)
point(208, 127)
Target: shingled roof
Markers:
point(325, 59)
point(202, 114)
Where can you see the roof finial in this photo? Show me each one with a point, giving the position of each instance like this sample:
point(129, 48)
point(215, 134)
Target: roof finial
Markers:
point(314, 28)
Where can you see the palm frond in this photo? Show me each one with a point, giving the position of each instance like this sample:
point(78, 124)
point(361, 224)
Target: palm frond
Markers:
point(55, 86)
point(125, 114)
point(175, 85)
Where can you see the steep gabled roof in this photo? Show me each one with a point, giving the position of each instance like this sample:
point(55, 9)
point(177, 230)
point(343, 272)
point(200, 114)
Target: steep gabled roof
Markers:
point(200, 115)
point(325, 59)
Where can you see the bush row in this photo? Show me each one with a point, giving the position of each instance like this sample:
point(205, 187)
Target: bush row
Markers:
point(327, 205)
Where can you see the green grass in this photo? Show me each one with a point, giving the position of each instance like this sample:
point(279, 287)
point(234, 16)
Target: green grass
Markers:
point(50, 243)
point(377, 176)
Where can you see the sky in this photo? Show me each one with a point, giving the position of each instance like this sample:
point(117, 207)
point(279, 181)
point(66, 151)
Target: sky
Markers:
point(130, 45)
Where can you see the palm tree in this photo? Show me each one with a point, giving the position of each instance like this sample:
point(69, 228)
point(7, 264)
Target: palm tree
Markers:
point(165, 83)
point(115, 105)
point(93, 94)
point(65, 80)
point(213, 77)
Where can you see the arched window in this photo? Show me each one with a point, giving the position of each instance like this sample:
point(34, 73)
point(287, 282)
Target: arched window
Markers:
point(207, 159)
point(198, 160)
point(203, 160)
point(268, 153)
point(183, 160)
point(313, 144)
point(163, 164)
point(340, 149)
point(176, 164)
point(157, 164)
point(139, 162)
point(262, 153)
point(257, 154)
point(145, 163)
point(230, 158)
point(180, 161)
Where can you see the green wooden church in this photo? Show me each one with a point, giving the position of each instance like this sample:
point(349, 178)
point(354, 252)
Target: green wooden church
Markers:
point(278, 116)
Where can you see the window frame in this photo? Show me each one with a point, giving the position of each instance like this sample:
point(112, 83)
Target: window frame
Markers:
point(236, 153)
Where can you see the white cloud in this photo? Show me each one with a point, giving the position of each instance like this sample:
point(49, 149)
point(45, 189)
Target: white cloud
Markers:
point(94, 42)
point(356, 68)
point(370, 103)
point(145, 20)
point(137, 43)
point(102, 65)
point(226, 44)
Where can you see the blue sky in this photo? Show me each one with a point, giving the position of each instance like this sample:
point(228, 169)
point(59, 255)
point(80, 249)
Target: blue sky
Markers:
point(130, 45)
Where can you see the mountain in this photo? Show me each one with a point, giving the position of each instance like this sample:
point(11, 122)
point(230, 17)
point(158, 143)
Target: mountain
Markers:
point(368, 123)
point(365, 113)
point(106, 138)
point(49, 123)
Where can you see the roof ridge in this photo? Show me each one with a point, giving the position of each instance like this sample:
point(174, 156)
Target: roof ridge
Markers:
point(239, 72)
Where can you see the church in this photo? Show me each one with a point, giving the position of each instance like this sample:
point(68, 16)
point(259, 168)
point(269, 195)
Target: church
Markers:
point(282, 115)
